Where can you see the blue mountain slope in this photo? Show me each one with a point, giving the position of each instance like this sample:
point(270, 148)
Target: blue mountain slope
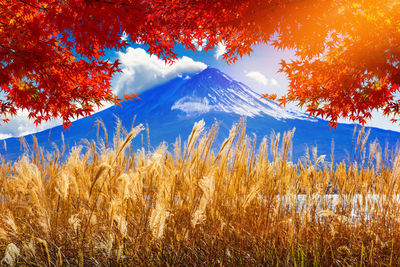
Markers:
point(171, 109)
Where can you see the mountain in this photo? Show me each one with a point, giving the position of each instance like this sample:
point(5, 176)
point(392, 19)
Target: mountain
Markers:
point(171, 109)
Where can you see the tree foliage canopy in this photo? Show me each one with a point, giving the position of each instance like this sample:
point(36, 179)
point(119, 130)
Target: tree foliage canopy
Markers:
point(52, 51)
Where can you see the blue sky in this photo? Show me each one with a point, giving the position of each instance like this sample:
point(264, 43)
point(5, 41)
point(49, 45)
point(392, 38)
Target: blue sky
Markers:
point(142, 71)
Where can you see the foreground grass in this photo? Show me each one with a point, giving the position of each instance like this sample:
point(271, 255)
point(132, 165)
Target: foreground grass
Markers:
point(240, 205)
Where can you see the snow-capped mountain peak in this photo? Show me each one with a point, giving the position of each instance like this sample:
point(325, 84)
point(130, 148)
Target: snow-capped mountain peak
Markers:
point(213, 91)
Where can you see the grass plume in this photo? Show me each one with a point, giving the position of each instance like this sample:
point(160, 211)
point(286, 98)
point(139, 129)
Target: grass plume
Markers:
point(237, 205)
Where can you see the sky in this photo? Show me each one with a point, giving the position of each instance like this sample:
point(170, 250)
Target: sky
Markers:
point(141, 72)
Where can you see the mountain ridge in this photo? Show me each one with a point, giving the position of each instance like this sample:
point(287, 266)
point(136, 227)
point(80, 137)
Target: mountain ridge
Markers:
point(172, 108)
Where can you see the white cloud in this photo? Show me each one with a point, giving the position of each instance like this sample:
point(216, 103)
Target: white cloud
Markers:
point(140, 71)
point(273, 82)
point(20, 125)
point(198, 47)
point(124, 36)
point(5, 136)
point(258, 77)
point(220, 51)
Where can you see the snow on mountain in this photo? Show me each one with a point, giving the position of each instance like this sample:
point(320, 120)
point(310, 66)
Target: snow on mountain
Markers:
point(171, 109)
point(223, 94)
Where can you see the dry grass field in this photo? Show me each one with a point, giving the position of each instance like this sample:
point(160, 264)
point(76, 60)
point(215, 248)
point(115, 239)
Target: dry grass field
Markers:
point(239, 205)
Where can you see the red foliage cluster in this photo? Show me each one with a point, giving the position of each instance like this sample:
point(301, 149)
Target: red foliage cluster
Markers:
point(348, 59)
point(52, 51)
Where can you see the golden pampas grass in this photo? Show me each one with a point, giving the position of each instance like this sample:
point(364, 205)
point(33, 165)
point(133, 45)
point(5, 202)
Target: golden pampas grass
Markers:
point(197, 204)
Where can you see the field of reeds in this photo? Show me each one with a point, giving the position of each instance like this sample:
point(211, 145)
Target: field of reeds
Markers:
point(239, 205)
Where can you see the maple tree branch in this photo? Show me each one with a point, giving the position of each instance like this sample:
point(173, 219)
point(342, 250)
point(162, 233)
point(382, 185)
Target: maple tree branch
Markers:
point(125, 5)
point(24, 2)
